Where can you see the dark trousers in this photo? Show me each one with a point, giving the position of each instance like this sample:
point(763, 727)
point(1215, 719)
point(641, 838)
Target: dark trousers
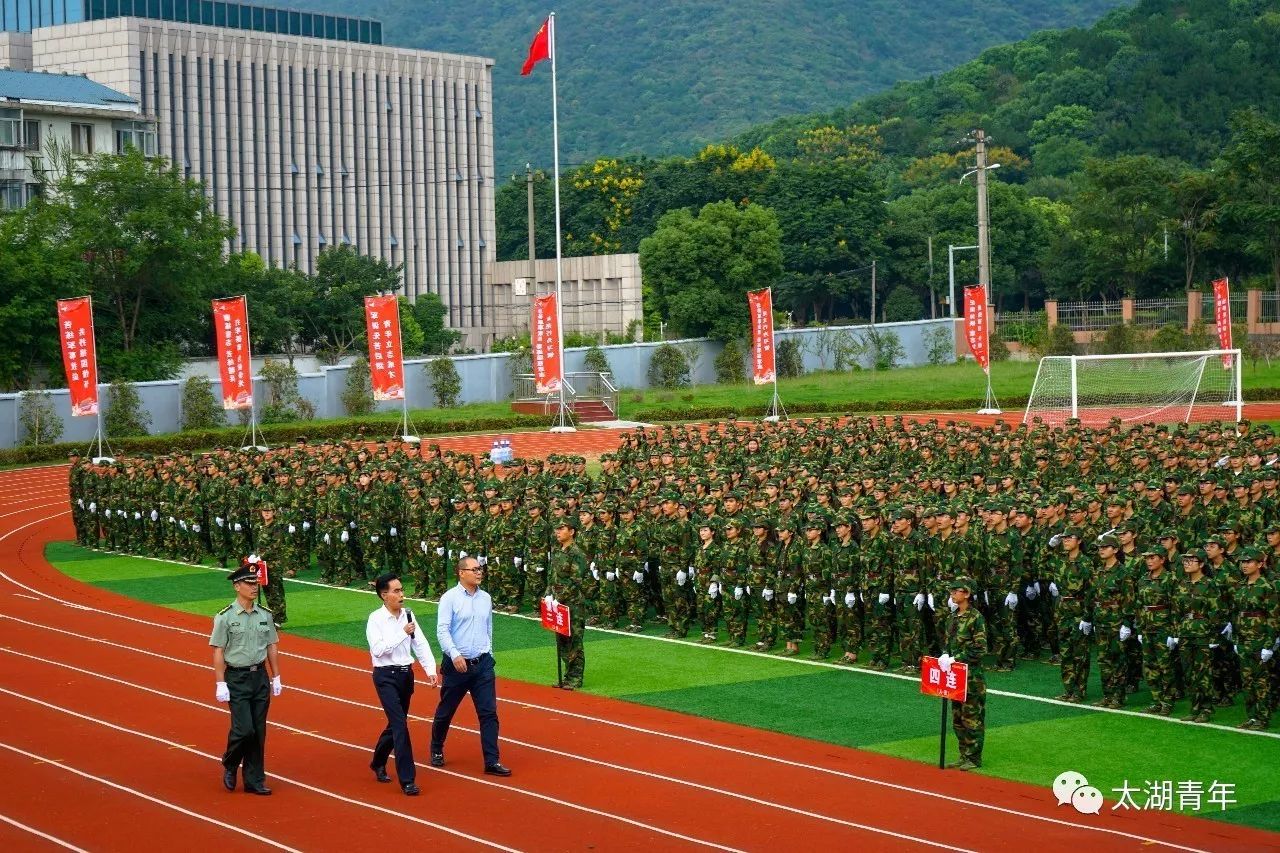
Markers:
point(478, 680)
point(395, 688)
point(247, 740)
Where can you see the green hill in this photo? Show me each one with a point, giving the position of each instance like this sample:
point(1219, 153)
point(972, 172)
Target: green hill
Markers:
point(639, 78)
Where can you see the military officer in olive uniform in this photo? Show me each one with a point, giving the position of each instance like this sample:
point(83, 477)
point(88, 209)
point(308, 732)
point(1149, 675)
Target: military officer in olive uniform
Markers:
point(244, 645)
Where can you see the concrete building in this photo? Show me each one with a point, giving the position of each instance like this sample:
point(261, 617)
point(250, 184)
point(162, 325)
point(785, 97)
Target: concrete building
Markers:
point(306, 131)
point(601, 293)
point(41, 111)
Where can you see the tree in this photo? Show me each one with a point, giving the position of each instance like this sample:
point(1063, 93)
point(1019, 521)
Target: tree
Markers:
point(275, 299)
point(668, 368)
point(429, 311)
point(697, 270)
point(445, 381)
point(412, 338)
point(902, 304)
point(1252, 162)
point(200, 409)
point(124, 415)
point(357, 395)
point(150, 250)
point(1196, 203)
point(40, 422)
point(333, 315)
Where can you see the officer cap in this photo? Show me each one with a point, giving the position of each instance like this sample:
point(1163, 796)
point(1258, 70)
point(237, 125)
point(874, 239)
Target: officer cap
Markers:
point(248, 570)
point(1273, 527)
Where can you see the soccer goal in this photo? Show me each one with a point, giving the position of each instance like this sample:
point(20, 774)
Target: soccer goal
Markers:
point(1164, 387)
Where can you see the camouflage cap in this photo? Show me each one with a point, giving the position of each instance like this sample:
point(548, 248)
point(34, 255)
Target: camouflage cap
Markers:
point(1250, 553)
point(963, 582)
point(1195, 554)
point(568, 521)
point(1168, 533)
point(1107, 541)
point(1073, 532)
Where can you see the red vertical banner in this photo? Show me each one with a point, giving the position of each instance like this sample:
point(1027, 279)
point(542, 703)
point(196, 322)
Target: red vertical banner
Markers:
point(545, 339)
point(1222, 316)
point(235, 359)
point(975, 324)
point(386, 361)
point(760, 304)
point(79, 354)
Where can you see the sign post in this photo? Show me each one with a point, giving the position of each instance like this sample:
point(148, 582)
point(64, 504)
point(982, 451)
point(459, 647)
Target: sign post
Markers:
point(951, 685)
point(979, 338)
point(555, 617)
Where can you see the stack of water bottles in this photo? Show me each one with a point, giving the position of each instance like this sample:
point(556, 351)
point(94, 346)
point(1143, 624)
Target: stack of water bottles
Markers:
point(501, 452)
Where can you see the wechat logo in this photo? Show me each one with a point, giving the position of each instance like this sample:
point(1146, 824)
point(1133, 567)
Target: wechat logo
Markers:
point(1071, 787)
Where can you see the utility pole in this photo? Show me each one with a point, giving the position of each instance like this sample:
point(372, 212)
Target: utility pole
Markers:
point(873, 291)
point(533, 253)
point(933, 297)
point(984, 238)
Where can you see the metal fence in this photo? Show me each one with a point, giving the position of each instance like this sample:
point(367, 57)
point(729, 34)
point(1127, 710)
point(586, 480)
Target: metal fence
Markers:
point(1155, 313)
point(1089, 316)
point(1270, 312)
point(1021, 327)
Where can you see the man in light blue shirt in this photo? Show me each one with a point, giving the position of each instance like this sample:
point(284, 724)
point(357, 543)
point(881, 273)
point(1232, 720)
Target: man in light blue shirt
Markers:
point(464, 627)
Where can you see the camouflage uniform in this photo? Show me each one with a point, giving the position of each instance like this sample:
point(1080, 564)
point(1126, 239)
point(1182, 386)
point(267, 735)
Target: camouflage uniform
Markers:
point(762, 580)
point(1256, 624)
point(1153, 608)
point(1074, 582)
point(733, 587)
point(1113, 609)
point(877, 584)
point(907, 558)
point(1199, 618)
point(568, 578)
point(964, 638)
point(630, 547)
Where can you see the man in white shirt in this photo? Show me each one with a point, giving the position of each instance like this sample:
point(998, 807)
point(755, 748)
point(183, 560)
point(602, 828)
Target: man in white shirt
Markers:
point(464, 627)
point(392, 633)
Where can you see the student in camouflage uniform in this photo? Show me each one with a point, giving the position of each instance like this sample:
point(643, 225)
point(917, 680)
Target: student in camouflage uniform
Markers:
point(1198, 610)
point(964, 639)
point(568, 578)
point(1071, 584)
point(848, 582)
point(819, 584)
point(877, 590)
point(707, 565)
point(762, 582)
point(1112, 620)
point(733, 582)
point(1153, 608)
point(789, 595)
point(907, 558)
point(270, 535)
point(1256, 620)
point(630, 548)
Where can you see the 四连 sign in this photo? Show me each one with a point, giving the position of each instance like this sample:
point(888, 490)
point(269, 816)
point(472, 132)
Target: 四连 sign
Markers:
point(953, 685)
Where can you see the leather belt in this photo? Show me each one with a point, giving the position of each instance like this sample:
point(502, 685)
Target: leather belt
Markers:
point(475, 660)
point(396, 667)
point(1253, 614)
point(1155, 607)
point(254, 668)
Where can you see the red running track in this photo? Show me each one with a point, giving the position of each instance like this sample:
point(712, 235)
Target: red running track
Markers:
point(109, 738)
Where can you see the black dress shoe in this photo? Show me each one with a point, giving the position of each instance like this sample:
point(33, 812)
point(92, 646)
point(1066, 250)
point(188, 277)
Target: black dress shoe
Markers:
point(229, 779)
point(410, 790)
point(437, 759)
point(380, 773)
point(497, 770)
point(260, 790)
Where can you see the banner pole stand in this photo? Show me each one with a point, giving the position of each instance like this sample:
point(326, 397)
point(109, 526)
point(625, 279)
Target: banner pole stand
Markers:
point(990, 406)
point(942, 739)
point(405, 435)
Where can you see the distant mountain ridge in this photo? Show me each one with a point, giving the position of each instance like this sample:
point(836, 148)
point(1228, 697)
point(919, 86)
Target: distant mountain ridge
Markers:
point(643, 78)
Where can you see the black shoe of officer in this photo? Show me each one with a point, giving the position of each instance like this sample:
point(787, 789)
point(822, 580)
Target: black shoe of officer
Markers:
point(229, 779)
point(437, 759)
point(380, 773)
point(260, 790)
point(410, 790)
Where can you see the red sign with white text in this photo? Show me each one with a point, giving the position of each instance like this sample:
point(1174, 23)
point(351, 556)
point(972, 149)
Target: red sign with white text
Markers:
point(262, 574)
point(555, 618)
point(386, 363)
point(548, 371)
point(760, 304)
point(79, 354)
point(1222, 316)
point(235, 359)
point(975, 324)
point(953, 685)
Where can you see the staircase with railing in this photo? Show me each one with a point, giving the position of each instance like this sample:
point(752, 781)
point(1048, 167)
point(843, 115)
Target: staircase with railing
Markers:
point(591, 397)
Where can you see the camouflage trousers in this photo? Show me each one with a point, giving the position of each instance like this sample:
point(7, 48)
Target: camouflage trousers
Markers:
point(331, 554)
point(850, 627)
point(275, 594)
point(791, 618)
point(1226, 671)
point(710, 608)
point(632, 592)
point(609, 600)
point(1030, 624)
point(736, 612)
point(878, 632)
point(1197, 668)
point(969, 718)
point(572, 653)
point(535, 581)
point(1157, 667)
point(677, 602)
point(1113, 666)
point(1256, 674)
point(822, 619)
point(1001, 631)
point(766, 620)
point(501, 578)
point(913, 639)
point(417, 565)
point(1073, 646)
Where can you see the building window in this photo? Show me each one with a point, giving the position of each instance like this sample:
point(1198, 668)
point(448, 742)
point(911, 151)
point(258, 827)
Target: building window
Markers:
point(81, 138)
point(11, 195)
point(10, 128)
point(136, 134)
point(31, 134)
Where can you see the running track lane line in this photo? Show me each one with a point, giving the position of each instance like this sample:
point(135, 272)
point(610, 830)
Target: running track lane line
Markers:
point(561, 802)
point(586, 759)
point(107, 782)
point(869, 780)
point(31, 829)
point(303, 785)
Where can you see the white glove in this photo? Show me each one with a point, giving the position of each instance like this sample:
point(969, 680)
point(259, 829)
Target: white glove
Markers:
point(327, 540)
point(595, 573)
point(681, 577)
point(713, 590)
point(1171, 642)
point(792, 598)
point(306, 525)
point(517, 561)
point(1267, 654)
point(826, 599)
point(739, 591)
point(221, 693)
point(592, 565)
point(1031, 592)
point(422, 546)
point(393, 532)
point(986, 599)
point(171, 519)
point(637, 576)
point(239, 529)
point(344, 537)
point(276, 686)
point(217, 519)
point(351, 525)
point(831, 594)
point(929, 600)
point(1139, 639)
point(646, 565)
point(1053, 589)
point(883, 598)
point(482, 560)
point(918, 601)
point(1037, 586)
point(439, 552)
point(137, 516)
point(539, 569)
point(182, 524)
point(155, 516)
point(462, 554)
point(945, 661)
point(549, 601)
point(1011, 601)
point(767, 594)
point(292, 529)
point(1125, 633)
point(80, 502)
point(1055, 540)
point(93, 506)
point(954, 607)
point(1086, 627)
point(1213, 645)
point(850, 599)
point(195, 527)
point(609, 576)
point(1228, 631)
point(450, 553)
point(373, 537)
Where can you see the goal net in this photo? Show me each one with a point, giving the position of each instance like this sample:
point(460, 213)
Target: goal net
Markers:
point(1164, 387)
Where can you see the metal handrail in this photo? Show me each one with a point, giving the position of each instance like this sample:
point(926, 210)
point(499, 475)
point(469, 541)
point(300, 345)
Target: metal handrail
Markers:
point(596, 386)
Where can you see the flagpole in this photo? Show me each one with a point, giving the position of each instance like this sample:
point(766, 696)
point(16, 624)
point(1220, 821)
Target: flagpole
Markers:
point(990, 406)
point(561, 424)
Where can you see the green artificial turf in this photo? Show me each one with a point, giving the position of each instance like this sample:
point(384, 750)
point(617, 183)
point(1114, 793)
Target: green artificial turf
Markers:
point(1027, 740)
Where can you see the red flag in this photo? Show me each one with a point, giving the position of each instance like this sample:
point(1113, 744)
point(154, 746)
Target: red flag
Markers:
point(235, 358)
point(79, 355)
point(760, 303)
point(262, 574)
point(386, 370)
point(547, 372)
point(975, 324)
point(1222, 315)
point(539, 50)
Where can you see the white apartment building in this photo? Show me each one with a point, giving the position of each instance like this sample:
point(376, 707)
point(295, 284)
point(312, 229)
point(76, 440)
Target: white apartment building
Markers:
point(305, 130)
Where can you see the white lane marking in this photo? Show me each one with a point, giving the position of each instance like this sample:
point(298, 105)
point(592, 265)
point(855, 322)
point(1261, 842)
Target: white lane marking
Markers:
point(46, 836)
point(557, 801)
point(321, 791)
point(61, 765)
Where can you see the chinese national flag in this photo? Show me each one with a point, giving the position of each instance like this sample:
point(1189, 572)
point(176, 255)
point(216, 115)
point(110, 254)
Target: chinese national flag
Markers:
point(538, 50)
